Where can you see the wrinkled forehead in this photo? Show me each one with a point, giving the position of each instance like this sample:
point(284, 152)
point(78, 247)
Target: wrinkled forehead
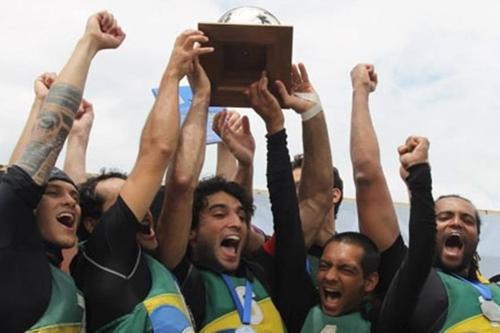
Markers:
point(338, 251)
point(454, 204)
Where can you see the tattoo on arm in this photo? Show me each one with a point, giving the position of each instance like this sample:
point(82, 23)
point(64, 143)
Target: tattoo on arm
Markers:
point(50, 131)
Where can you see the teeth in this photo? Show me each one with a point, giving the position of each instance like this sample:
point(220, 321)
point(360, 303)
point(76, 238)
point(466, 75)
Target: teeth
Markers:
point(65, 215)
point(233, 237)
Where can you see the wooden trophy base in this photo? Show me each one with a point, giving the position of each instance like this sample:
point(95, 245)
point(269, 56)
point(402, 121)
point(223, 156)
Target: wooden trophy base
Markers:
point(241, 53)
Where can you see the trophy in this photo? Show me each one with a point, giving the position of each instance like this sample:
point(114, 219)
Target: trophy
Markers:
point(246, 41)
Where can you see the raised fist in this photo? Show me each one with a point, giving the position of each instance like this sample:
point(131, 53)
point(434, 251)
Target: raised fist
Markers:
point(104, 31)
point(43, 84)
point(414, 151)
point(363, 77)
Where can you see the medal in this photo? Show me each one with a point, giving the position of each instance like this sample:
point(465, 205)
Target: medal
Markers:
point(244, 310)
point(490, 310)
point(245, 329)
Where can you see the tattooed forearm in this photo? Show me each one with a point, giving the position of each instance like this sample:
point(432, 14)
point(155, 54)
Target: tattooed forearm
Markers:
point(50, 131)
point(65, 96)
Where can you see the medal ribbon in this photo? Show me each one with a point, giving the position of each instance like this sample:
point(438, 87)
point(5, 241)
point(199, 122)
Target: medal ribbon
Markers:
point(485, 291)
point(245, 310)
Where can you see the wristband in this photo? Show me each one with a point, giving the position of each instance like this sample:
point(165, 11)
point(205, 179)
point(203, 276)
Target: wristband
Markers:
point(311, 112)
point(310, 96)
point(314, 110)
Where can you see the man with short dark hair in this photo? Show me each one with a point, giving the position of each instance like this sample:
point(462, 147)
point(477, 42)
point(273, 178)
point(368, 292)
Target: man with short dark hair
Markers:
point(125, 288)
point(347, 275)
point(36, 295)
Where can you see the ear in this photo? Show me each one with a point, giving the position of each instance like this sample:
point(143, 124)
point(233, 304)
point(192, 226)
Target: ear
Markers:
point(89, 223)
point(192, 236)
point(336, 194)
point(371, 282)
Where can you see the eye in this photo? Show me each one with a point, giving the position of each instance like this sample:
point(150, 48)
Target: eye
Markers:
point(218, 214)
point(348, 270)
point(469, 220)
point(441, 217)
point(51, 192)
point(76, 197)
point(323, 266)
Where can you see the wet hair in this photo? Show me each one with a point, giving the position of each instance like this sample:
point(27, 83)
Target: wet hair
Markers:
point(338, 183)
point(474, 265)
point(90, 201)
point(370, 260)
point(209, 186)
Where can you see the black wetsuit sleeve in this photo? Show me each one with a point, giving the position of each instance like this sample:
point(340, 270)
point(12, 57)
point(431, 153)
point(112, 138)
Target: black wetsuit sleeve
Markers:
point(25, 279)
point(403, 294)
point(110, 270)
point(294, 292)
point(113, 242)
point(390, 262)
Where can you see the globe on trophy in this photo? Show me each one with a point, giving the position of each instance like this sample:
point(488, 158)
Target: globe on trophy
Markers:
point(246, 40)
point(248, 15)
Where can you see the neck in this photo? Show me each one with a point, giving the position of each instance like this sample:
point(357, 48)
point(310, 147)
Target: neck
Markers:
point(54, 254)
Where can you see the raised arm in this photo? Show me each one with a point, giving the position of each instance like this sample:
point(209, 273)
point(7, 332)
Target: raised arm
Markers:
point(405, 289)
point(226, 162)
point(377, 217)
point(175, 219)
point(290, 254)
point(41, 87)
point(316, 182)
point(56, 115)
point(78, 139)
point(237, 137)
point(160, 134)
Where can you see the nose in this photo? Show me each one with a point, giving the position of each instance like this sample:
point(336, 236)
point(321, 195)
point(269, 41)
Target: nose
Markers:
point(69, 199)
point(234, 221)
point(456, 221)
point(332, 274)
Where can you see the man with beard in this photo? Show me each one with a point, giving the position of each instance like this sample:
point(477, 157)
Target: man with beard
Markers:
point(204, 229)
point(437, 286)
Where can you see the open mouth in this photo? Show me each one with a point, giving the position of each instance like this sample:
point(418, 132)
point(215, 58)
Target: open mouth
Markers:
point(453, 244)
point(145, 229)
point(331, 294)
point(66, 219)
point(454, 240)
point(231, 243)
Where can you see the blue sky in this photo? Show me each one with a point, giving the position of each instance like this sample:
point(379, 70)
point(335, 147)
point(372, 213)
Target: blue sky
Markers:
point(437, 63)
